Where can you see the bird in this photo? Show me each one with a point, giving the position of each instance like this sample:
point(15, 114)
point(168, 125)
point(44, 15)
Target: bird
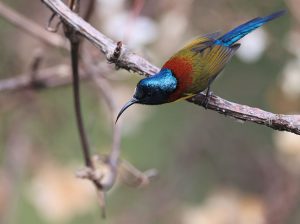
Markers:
point(193, 68)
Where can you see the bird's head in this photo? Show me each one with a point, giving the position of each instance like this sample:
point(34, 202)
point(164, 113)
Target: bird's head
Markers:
point(153, 90)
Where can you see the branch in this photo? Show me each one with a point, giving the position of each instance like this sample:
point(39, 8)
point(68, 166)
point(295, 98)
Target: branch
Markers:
point(133, 62)
point(76, 95)
point(243, 113)
point(55, 76)
point(31, 27)
point(128, 60)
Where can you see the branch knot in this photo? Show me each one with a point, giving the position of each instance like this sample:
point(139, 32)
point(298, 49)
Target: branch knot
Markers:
point(114, 58)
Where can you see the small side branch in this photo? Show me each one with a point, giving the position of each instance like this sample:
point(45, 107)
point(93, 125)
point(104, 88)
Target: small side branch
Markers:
point(76, 92)
point(30, 27)
point(55, 76)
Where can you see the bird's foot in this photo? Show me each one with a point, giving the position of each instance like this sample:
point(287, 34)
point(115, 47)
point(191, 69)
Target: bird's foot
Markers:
point(205, 101)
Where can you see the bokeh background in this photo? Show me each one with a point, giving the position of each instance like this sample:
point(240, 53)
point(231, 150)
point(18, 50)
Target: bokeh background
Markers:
point(212, 169)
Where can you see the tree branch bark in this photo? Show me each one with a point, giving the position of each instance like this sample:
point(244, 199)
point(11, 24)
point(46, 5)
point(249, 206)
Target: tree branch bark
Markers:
point(281, 122)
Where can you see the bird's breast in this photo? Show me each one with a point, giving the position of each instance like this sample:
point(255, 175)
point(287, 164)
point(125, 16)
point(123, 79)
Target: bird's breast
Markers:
point(182, 69)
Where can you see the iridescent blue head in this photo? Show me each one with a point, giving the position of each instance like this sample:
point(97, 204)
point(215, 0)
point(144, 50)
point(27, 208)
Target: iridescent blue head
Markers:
point(153, 90)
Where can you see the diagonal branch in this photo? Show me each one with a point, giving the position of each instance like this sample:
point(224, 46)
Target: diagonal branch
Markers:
point(128, 60)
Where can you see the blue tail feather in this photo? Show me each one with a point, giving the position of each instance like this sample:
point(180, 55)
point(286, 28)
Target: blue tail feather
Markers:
point(239, 32)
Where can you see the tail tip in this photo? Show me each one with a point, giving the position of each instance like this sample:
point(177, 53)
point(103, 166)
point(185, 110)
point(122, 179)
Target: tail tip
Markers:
point(277, 14)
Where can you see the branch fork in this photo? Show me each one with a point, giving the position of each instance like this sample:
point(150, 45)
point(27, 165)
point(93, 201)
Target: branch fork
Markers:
point(101, 172)
point(105, 174)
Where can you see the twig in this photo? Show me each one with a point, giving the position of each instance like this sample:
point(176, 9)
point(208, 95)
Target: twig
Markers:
point(128, 60)
point(55, 76)
point(105, 91)
point(133, 62)
point(105, 88)
point(74, 39)
point(76, 92)
point(133, 177)
point(36, 62)
point(89, 11)
point(55, 28)
point(34, 67)
point(31, 27)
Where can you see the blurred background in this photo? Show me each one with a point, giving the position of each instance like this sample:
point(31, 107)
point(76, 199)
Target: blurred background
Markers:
point(212, 169)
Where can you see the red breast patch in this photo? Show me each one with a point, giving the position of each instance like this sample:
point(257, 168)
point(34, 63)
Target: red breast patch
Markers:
point(182, 69)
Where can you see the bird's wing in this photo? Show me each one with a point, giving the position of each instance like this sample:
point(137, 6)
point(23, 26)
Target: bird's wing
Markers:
point(202, 42)
point(216, 57)
point(208, 63)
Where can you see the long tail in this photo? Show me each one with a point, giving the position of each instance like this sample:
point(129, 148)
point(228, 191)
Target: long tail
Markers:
point(239, 32)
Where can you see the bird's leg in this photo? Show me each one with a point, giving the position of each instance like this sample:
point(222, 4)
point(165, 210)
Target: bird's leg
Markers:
point(206, 98)
point(208, 93)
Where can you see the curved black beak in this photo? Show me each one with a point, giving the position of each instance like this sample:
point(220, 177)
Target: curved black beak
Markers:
point(128, 104)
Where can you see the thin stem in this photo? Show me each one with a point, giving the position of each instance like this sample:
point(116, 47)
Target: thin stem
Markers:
point(90, 10)
point(77, 103)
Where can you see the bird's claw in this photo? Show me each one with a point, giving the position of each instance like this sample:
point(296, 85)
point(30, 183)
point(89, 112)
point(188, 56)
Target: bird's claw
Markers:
point(206, 99)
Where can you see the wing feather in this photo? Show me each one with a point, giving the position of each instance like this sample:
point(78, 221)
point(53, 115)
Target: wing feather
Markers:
point(209, 64)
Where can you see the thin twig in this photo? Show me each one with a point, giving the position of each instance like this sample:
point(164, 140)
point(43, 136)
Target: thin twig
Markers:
point(104, 88)
point(31, 27)
point(74, 39)
point(34, 67)
point(76, 92)
point(55, 76)
point(105, 91)
point(89, 11)
point(55, 28)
